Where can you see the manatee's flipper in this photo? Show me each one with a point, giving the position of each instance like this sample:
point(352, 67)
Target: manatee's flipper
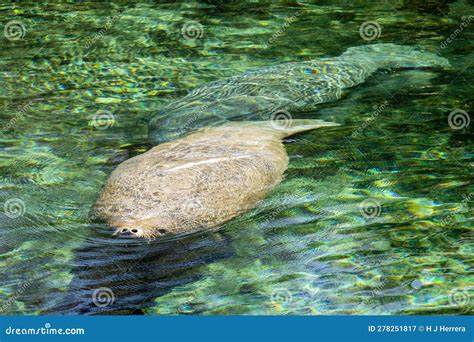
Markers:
point(286, 128)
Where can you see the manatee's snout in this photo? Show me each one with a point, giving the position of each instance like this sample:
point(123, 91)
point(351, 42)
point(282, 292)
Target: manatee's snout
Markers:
point(137, 232)
point(129, 232)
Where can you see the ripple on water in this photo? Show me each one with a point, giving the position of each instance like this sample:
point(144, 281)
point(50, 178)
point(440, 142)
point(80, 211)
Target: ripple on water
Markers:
point(372, 217)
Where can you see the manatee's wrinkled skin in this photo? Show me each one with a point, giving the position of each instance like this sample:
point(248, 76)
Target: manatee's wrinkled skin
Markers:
point(199, 181)
point(294, 87)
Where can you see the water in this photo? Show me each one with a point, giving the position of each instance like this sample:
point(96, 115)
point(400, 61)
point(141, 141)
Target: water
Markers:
point(373, 217)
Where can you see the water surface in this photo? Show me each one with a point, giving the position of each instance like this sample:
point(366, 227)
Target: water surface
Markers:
point(373, 217)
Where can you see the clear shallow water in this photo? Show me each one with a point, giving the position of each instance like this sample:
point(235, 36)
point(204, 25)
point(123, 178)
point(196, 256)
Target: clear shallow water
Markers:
point(309, 248)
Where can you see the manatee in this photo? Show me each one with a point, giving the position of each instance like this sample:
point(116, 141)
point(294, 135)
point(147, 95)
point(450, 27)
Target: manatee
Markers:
point(293, 87)
point(199, 181)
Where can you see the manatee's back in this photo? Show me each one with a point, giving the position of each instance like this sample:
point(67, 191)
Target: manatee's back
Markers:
point(257, 94)
point(199, 181)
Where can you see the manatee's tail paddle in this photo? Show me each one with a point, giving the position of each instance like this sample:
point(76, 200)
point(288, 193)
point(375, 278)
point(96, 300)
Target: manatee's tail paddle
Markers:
point(395, 56)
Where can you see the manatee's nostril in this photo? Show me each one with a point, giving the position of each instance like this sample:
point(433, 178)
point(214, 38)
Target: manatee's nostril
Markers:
point(125, 232)
point(162, 231)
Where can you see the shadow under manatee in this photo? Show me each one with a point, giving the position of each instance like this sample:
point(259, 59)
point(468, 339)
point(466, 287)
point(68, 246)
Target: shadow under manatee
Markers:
point(122, 276)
